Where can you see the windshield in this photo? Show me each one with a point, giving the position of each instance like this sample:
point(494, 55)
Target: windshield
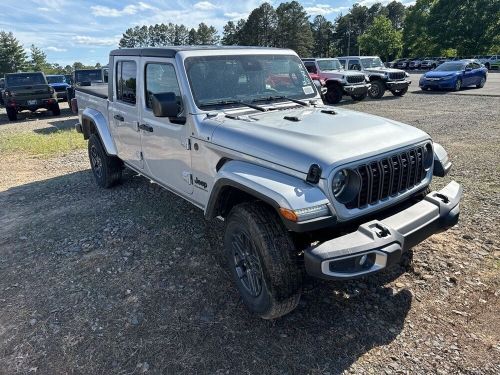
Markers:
point(22, 79)
point(219, 80)
point(56, 79)
point(330, 64)
point(450, 67)
point(88, 76)
point(372, 62)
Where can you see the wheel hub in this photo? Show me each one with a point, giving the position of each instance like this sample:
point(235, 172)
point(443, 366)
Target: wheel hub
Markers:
point(247, 264)
point(95, 161)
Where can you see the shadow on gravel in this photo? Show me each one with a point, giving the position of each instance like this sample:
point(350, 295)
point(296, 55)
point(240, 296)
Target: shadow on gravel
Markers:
point(68, 124)
point(41, 114)
point(122, 280)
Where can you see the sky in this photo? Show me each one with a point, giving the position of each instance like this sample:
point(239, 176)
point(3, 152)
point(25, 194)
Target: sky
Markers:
point(86, 30)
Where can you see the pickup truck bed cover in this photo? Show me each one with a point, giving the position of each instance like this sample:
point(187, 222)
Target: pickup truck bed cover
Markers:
point(100, 90)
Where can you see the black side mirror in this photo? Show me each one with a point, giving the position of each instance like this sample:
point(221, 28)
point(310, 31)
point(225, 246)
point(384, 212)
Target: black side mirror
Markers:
point(165, 104)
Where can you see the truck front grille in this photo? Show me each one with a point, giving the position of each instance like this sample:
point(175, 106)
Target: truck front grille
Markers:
point(356, 79)
point(388, 177)
point(396, 76)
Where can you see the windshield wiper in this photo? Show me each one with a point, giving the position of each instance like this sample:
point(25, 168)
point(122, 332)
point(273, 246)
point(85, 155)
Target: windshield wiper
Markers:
point(278, 97)
point(228, 102)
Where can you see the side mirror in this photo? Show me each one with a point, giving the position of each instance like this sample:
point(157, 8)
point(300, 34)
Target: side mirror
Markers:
point(165, 104)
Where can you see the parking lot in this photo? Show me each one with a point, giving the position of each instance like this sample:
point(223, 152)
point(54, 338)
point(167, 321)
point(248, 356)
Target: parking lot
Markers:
point(124, 280)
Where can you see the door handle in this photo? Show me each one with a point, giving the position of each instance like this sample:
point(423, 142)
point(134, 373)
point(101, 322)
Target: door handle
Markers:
point(118, 117)
point(146, 127)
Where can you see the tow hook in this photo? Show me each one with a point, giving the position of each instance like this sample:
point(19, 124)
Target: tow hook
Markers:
point(380, 231)
point(443, 198)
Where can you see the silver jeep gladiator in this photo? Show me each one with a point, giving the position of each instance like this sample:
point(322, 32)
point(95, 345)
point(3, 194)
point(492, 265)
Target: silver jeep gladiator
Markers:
point(242, 133)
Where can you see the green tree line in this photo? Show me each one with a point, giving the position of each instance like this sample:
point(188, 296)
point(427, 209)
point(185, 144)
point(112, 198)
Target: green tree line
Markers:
point(14, 58)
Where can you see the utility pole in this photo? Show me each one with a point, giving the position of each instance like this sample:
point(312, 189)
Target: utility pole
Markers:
point(349, 38)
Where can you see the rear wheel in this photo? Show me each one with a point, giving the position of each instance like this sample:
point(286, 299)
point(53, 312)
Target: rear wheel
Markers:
point(377, 89)
point(11, 114)
point(400, 92)
point(54, 108)
point(262, 260)
point(359, 97)
point(107, 169)
point(334, 94)
point(481, 83)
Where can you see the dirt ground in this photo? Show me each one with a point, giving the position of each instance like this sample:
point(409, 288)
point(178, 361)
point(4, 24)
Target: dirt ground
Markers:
point(123, 281)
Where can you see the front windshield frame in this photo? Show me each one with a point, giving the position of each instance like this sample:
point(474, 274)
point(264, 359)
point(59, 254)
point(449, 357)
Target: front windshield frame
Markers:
point(243, 66)
point(372, 62)
point(56, 79)
point(338, 65)
point(450, 67)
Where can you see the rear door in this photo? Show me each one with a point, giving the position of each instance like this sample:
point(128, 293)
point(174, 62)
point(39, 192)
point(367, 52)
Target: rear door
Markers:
point(165, 143)
point(124, 113)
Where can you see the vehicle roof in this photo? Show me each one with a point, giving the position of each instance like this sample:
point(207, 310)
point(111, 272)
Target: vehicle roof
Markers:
point(318, 58)
point(54, 75)
point(171, 51)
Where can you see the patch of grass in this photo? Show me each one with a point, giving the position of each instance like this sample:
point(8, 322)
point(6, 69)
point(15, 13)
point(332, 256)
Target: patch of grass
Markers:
point(41, 145)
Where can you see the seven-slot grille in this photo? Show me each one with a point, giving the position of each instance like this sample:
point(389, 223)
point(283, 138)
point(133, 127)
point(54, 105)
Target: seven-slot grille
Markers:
point(389, 176)
point(397, 75)
point(356, 79)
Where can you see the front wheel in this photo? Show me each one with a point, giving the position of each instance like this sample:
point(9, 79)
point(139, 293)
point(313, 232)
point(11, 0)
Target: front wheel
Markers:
point(481, 83)
point(458, 85)
point(334, 94)
point(107, 169)
point(11, 114)
point(359, 97)
point(400, 92)
point(377, 90)
point(262, 260)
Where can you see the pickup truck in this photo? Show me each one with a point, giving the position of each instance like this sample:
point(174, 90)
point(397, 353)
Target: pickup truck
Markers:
point(85, 77)
point(337, 80)
point(28, 91)
point(59, 84)
point(380, 77)
point(242, 134)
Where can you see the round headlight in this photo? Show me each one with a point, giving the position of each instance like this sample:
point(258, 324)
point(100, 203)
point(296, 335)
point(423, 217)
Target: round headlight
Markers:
point(428, 156)
point(339, 181)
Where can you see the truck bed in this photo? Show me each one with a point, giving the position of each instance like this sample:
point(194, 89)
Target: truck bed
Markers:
point(100, 90)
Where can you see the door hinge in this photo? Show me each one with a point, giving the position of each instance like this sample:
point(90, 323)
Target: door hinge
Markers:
point(187, 144)
point(188, 177)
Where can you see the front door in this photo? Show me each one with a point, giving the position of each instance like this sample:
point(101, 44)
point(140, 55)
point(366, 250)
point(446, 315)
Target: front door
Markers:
point(124, 112)
point(165, 144)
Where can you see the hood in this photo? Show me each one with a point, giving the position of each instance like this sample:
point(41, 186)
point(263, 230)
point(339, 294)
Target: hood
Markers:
point(340, 73)
point(321, 138)
point(384, 70)
point(439, 74)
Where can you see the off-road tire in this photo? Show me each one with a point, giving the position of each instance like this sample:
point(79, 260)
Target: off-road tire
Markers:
point(399, 92)
point(481, 84)
point(11, 114)
point(333, 94)
point(272, 256)
point(107, 169)
point(54, 108)
point(359, 97)
point(377, 89)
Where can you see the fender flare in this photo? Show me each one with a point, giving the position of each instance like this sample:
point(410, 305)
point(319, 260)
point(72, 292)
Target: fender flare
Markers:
point(270, 186)
point(90, 115)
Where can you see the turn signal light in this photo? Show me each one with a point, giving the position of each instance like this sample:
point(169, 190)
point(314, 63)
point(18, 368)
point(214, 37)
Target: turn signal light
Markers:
point(289, 214)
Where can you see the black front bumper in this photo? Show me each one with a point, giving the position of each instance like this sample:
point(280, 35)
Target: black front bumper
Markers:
point(379, 244)
point(398, 85)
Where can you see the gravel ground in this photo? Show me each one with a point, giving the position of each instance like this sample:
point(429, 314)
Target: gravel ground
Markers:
point(122, 281)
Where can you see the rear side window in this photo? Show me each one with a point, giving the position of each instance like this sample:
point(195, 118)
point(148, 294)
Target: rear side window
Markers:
point(311, 67)
point(160, 78)
point(126, 78)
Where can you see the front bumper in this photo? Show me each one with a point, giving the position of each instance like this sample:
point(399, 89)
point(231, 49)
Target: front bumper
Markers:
point(356, 89)
point(379, 244)
point(398, 85)
point(438, 84)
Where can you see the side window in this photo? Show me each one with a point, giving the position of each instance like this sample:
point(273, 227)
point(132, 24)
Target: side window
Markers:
point(311, 67)
point(354, 65)
point(160, 78)
point(475, 66)
point(126, 78)
point(342, 62)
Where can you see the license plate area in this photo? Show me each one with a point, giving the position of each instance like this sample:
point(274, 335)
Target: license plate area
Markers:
point(32, 102)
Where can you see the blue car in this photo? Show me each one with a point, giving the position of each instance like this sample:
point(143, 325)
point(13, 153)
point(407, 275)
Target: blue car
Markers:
point(453, 75)
point(59, 84)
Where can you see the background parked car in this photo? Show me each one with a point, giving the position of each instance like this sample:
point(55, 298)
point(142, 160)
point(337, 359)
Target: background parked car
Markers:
point(415, 63)
point(2, 84)
point(454, 75)
point(494, 59)
point(59, 84)
point(85, 77)
point(28, 91)
point(403, 64)
point(69, 79)
point(429, 63)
